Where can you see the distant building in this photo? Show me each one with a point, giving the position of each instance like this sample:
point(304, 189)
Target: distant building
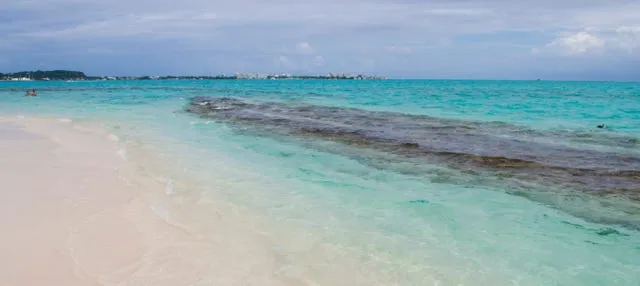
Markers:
point(20, 79)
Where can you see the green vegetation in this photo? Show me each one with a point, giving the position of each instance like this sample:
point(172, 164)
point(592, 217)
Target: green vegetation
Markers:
point(43, 75)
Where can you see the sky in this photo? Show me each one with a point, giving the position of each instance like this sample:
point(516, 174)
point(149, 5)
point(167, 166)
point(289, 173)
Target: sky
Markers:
point(489, 39)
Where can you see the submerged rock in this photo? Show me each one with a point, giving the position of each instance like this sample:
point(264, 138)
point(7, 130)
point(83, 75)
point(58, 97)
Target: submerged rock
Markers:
point(484, 150)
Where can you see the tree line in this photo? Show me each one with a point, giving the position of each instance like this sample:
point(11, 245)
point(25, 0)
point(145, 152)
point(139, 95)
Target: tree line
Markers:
point(52, 75)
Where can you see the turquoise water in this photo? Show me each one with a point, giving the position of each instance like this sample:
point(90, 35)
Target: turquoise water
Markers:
point(413, 219)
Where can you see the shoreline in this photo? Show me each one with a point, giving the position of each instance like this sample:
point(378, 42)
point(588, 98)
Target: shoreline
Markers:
point(145, 220)
point(77, 211)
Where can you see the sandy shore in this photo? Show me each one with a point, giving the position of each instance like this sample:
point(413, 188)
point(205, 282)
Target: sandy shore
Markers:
point(75, 211)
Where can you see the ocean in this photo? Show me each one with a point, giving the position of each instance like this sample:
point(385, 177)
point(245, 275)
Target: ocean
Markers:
point(412, 182)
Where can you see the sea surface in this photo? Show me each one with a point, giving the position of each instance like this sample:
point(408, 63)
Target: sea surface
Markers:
point(418, 182)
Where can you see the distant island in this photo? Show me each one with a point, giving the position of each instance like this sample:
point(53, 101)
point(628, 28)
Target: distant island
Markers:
point(77, 76)
point(44, 75)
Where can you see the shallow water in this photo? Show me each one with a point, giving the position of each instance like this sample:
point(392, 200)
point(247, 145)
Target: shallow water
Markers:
point(367, 192)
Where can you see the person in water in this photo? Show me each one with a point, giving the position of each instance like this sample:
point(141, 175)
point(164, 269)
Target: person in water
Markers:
point(33, 92)
point(28, 93)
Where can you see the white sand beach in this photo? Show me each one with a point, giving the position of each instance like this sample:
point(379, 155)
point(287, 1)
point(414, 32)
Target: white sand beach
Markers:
point(75, 211)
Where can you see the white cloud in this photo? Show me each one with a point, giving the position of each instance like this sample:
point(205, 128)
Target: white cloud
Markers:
point(578, 43)
point(117, 17)
point(304, 48)
point(463, 34)
point(627, 38)
point(625, 29)
point(624, 39)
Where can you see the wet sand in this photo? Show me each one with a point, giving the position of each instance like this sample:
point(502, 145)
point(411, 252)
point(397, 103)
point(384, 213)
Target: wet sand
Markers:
point(75, 211)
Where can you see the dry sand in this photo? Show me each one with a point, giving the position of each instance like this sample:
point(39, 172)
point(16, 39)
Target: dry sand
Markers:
point(75, 211)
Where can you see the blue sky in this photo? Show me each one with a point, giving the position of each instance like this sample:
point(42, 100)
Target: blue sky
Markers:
point(512, 39)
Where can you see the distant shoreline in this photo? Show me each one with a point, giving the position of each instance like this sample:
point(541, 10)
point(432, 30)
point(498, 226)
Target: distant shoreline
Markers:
point(64, 75)
point(208, 79)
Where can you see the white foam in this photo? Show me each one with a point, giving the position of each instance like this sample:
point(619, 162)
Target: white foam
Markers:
point(161, 212)
point(168, 188)
point(122, 153)
point(168, 185)
point(64, 120)
point(113, 137)
point(164, 214)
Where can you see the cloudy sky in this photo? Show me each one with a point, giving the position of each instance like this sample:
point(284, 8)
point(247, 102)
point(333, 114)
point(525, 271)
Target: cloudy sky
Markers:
point(512, 39)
